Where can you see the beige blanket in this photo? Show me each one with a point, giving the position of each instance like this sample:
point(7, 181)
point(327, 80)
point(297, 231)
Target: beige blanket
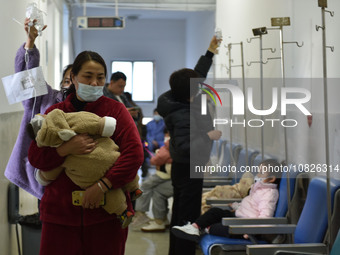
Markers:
point(238, 190)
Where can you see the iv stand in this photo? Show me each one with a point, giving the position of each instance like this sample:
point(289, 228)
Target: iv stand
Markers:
point(323, 5)
point(258, 32)
point(244, 91)
point(280, 22)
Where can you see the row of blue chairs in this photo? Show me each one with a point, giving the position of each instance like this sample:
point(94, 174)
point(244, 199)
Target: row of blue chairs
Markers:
point(222, 154)
point(310, 228)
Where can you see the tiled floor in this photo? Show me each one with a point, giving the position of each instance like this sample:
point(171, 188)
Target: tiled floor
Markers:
point(149, 243)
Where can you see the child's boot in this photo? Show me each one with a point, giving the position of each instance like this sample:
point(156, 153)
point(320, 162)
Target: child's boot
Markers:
point(125, 218)
point(136, 194)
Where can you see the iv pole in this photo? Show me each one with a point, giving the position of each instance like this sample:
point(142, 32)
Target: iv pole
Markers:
point(281, 22)
point(323, 5)
point(258, 32)
point(244, 90)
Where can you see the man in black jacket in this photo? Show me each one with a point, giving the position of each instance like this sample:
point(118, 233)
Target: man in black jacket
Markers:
point(180, 111)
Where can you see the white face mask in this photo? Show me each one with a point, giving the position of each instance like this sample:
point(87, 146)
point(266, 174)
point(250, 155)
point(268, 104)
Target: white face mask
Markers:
point(157, 117)
point(89, 93)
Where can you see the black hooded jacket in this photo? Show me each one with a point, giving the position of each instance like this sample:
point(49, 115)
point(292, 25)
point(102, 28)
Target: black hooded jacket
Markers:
point(187, 127)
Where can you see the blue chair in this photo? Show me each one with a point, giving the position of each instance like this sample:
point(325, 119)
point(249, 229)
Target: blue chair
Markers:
point(334, 251)
point(312, 225)
point(224, 162)
point(208, 242)
point(215, 153)
point(258, 159)
point(229, 154)
point(242, 161)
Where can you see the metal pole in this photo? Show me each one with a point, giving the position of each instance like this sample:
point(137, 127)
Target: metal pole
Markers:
point(232, 161)
point(284, 117)
point(283, 85)
point(116, 9)
point(84, 8)
point(245, 104)
point(329, 205)
point(243, 82)
point(261, 91)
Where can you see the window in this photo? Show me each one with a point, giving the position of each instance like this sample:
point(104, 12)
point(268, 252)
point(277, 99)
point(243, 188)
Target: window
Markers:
point(139, 78)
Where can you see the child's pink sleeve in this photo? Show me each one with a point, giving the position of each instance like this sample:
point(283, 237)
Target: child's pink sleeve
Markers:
point(162, 157)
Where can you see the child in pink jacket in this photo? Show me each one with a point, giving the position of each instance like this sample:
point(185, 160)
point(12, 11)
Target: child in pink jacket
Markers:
point(260, 203)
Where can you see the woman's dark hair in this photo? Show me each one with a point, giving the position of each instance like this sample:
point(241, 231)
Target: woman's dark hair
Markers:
point(181, 88)
point(128, 96)
point(66, 68)
point(117, 76)
point(82, 58)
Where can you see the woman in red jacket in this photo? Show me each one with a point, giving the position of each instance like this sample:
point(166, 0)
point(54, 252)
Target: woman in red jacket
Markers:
point(87, 229)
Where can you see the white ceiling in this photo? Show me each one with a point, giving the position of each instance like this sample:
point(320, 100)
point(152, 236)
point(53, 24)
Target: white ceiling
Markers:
point(169, 5)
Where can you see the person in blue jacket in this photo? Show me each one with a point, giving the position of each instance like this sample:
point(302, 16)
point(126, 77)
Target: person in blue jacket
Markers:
point(155, 132)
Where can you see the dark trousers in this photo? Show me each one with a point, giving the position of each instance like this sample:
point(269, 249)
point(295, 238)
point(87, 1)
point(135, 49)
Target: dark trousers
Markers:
point(186, 206)
point(103, 238)
point(213, 219)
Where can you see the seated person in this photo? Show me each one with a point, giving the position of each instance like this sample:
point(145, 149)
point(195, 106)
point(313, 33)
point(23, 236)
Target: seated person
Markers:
point(260, 203)
point(155, 132)
point(238, 190)
point(157, 187)
point(56, 127)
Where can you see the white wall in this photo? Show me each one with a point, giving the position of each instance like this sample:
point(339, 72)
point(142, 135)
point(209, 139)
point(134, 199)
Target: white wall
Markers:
point(171, 42)
point(53, 59)
point(10, 115)
point(237, 18)
point(14, 36)
point(51, 38)
point(200, 29)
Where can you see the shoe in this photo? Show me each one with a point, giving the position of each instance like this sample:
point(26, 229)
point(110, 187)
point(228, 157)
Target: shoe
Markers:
point(125, 218)
point(187, 232)
point(139, 220)
point(153, 226)
point(136, 194)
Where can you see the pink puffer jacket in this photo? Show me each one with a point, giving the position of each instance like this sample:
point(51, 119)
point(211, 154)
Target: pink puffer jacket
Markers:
point(260, 203)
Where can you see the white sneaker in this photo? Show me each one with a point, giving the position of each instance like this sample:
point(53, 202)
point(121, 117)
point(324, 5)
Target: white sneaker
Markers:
point(188, 232)
point(139, 220)
point(153, 226)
